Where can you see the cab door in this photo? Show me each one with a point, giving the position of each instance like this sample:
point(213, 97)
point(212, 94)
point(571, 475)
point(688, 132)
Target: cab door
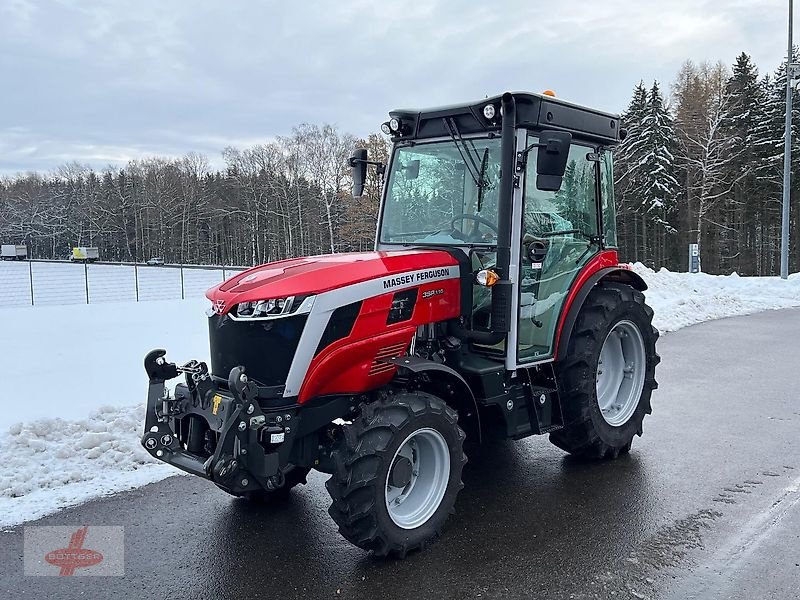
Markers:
point(559, 236)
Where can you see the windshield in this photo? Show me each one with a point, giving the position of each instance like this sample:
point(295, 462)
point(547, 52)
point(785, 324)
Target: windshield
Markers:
point(443, 193)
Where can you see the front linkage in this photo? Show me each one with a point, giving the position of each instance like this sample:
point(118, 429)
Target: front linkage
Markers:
point(216, 433)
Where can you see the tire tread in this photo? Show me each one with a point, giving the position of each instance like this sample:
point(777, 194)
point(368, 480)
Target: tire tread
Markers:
point(365, 444)
point(576, 374)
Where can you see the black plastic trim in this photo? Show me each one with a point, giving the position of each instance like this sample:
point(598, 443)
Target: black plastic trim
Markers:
point(403, 304)
point(417, 366)
point(534, 111)
point(612, 273)
point(264, 348)
point(340, 325)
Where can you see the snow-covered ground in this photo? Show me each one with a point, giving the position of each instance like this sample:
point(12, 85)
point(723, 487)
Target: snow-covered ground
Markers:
point(682, 299)
point(74, 392)
point(74, 386)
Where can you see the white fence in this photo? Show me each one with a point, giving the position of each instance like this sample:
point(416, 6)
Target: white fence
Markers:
point(31, 283)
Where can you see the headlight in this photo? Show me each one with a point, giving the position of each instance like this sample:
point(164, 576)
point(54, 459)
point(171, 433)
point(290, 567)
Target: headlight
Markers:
point(272, 308)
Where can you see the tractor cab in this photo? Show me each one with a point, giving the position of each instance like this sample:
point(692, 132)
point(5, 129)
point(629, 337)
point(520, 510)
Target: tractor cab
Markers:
point(521, 187)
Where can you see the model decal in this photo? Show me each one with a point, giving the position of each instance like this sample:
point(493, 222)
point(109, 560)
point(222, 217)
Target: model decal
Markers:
point(432, 293)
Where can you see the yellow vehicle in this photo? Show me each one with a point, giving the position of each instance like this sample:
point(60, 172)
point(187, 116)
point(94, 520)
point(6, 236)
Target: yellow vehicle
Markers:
point(84, 254)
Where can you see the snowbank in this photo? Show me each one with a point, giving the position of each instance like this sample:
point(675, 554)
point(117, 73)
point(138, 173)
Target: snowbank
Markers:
point(74, 377)
point(681, 299)
point(52, 463)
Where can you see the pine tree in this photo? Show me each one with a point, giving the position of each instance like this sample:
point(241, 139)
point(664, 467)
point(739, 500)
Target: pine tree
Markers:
point(746, 121)
point(646, 183)
point(627, 156)
point(770, 145)
point(628, 153)
point(659, 186)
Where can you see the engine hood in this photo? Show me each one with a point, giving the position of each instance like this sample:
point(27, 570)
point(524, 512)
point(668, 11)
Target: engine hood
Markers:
point(318, 274)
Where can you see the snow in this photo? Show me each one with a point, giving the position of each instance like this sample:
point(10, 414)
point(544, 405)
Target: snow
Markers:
point(54, 463)
point(682, 299)
point(75, 388)
point(64, 361)
point(74, 393)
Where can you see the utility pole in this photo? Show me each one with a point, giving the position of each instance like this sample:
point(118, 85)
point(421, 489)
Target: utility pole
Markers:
point(791, 72)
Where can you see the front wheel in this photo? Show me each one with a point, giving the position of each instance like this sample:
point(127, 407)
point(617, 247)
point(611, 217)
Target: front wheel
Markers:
point(397, 473)
point(608, 375)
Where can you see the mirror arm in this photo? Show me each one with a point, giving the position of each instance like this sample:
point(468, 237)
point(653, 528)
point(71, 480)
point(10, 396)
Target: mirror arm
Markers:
point(522, 156)
point(380, 168)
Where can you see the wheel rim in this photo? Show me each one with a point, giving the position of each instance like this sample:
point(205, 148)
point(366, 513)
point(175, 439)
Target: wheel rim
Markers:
point(412, 504)
point(620, 373)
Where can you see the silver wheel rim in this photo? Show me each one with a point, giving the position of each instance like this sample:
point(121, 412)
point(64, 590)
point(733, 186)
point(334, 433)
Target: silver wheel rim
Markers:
point(411, 505)
point(620, 373)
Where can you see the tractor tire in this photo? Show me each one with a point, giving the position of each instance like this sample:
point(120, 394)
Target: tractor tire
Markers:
point(295, 477)
point(397, 472)
point(608, 374)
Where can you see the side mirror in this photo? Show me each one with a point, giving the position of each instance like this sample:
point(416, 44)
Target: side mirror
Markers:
point(551, 159)
point(358, 164)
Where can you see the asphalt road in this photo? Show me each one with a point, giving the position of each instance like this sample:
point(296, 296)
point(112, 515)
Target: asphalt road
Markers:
point(707, 505)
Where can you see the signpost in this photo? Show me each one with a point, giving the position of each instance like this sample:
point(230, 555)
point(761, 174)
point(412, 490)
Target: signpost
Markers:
point(694, 258)
point(792, 74)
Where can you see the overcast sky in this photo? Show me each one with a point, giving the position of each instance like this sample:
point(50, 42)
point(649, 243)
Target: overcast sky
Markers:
point(103, 82)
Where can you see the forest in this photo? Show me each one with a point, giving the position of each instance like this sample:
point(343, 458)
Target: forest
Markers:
point(704, 164)
point(701, 163)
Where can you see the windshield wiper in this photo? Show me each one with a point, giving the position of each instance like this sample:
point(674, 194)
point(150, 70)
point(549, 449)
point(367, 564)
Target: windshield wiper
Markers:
point(549, 234)
point(458, 141)
point(482, 175)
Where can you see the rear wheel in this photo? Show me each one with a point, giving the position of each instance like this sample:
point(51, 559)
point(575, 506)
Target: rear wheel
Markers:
point(608, 375)
point(397, 473)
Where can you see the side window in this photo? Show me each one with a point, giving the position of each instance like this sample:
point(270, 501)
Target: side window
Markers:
point(562, 226)
point(607, 199)
point(572, 208)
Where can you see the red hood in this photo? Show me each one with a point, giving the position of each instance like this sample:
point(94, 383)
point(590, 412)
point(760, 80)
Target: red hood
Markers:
point(317, 274)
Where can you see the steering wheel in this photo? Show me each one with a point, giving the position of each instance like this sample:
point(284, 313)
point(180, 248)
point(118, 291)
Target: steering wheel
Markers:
point(475, 218)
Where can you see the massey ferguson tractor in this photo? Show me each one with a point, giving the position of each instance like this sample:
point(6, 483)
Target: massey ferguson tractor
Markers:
point(493, 306)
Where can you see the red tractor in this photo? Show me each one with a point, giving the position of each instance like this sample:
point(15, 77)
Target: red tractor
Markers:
point(492, 306)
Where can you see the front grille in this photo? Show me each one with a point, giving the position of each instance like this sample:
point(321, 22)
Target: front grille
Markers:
point(264, 348)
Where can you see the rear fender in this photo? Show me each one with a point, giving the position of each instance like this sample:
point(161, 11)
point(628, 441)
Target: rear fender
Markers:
point(567, 323)
point(447, 384)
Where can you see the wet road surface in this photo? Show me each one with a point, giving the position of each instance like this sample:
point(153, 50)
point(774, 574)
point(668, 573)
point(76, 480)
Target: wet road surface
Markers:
point(707, 505)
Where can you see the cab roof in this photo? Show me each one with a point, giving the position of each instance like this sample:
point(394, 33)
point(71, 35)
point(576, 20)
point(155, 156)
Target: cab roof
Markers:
point(534, 111)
